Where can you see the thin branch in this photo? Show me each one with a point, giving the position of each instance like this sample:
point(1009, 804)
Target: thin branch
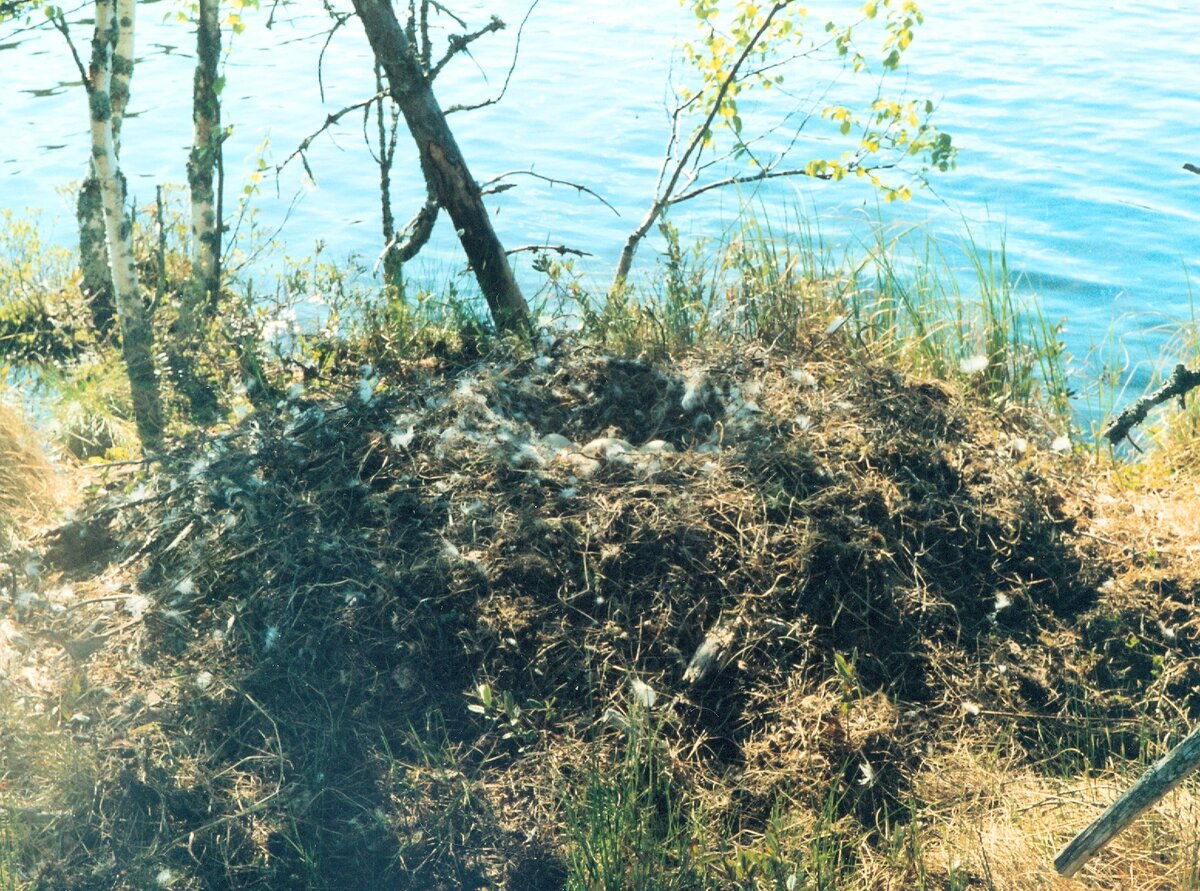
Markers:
point(339, 19)
point(698, 135)
point(426, 44)
point(59, 21)
point(458, 43)
point(266, 242)
point(560, 249)
point(759, 177)
point(1191, 168)
point(663, 194)
point(1178, 384)
point(445, 11)
point(330, 120)
point(387, 145)
point(31, 23)
point(511, 68)
point(554, 182)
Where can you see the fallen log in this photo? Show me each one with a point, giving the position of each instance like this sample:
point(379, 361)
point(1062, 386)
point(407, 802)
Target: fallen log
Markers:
point(1156, 782)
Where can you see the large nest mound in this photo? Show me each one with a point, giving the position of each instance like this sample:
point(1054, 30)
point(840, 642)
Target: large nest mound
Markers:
point(374, 617)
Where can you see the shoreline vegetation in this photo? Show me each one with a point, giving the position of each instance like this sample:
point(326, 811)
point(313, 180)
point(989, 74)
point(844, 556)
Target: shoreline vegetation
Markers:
point(767, 575)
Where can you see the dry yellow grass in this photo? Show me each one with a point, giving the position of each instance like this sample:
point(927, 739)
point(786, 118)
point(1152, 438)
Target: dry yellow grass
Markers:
point(28, 487)
point(1002, 824)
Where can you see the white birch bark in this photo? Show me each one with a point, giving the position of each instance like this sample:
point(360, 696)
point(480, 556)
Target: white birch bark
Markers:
point(122, 67)
point(202, 162)
point(93, 246)
point(136, 336)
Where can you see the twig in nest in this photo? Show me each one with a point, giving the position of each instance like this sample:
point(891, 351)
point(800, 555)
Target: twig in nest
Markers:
point(1178, 384)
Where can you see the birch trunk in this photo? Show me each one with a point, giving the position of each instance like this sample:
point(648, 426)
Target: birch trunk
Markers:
point(93, 255)
point(89, 209)
point(443, 164)
point(136, 336)
point(202, 164)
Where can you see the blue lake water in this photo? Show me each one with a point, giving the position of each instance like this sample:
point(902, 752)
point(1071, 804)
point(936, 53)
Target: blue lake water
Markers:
point(1073, 121)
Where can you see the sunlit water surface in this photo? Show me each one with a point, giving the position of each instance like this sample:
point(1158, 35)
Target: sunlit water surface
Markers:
point(1073, 121)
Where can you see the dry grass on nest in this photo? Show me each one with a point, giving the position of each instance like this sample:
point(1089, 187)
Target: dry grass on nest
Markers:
point(391, 630)
point(27, 482)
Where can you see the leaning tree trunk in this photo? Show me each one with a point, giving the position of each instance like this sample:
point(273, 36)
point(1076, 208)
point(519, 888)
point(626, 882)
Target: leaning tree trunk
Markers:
point(202, 164)
point(136, 336)
point(443, 164)
point(89, 209)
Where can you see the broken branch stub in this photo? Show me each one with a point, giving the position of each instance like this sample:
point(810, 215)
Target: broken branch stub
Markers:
point(1178, 384)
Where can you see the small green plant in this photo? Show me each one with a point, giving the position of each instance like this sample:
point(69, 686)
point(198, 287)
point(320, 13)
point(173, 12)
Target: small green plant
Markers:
point(43, 319)
point(510, 722)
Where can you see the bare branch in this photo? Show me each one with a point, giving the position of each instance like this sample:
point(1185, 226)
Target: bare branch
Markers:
point(1178, 384)
point(339, 19)
point(560, 249)
point(426, 44)
point(444, 11)
point(1191, 168)
point(264, 244)
point(12, 10)
point(511, 68)
point(554, 182)
point(664, 193)
point(330, 120)
point(59, 21)
point(387, 141)
point(765, 174)
point(458, 43)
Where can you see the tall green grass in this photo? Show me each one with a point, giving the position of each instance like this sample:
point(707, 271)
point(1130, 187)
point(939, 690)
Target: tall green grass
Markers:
point(9, 870)
point(627, 823)
point(970, 324)
point(903, 298)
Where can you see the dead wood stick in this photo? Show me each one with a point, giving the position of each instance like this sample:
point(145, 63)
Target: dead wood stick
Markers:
point(1179, 383)
point(1157, 781)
